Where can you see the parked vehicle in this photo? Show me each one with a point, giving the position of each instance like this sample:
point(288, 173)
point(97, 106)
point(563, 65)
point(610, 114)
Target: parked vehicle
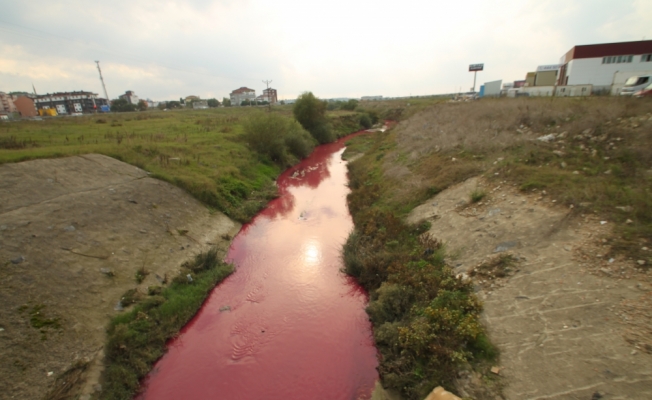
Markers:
point(634, 84)
point(645, 92)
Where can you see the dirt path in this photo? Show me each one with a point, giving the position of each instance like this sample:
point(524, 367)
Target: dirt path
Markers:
point(570, 324)
point(73, 233)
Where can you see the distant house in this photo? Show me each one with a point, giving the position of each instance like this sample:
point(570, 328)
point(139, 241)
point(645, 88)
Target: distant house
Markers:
point(270, 95)
point(70, 102)
point(7, 103)
point(25, 106)
point(130, 96)
point(242, 94)
point(190, 98)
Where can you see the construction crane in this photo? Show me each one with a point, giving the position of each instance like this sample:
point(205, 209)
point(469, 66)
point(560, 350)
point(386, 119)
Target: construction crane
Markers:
point(102, 80)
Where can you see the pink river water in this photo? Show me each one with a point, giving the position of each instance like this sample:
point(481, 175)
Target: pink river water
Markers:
point(287, 324)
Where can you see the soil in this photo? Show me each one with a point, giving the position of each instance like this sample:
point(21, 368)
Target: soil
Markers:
point(571, 320)
point(73, 233)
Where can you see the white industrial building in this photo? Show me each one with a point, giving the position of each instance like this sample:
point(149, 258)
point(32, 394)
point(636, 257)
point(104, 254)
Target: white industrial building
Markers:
point(598, 64)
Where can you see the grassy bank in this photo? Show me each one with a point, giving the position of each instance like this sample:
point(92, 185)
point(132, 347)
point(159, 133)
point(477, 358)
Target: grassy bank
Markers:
point(201, 151)
point(594, 157)
point(137, 338)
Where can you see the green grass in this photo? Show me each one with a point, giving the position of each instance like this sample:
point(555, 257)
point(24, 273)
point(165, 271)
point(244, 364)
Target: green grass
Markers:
point(477, 195)
point(201, 151)
point(137, 338)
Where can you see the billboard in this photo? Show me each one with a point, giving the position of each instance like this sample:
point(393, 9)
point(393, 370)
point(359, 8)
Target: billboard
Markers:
point(476, 67)
point(552, 67)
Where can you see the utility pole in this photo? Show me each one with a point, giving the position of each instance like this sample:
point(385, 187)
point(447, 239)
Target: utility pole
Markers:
point(102, 80)
point(269, 100)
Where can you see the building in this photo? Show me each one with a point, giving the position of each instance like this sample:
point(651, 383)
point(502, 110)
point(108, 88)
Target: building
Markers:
point(130, 96)
point(70, 102)
point(242, 94)
point(7, 103)
point(492, 89)
point(270, 95)
point(596, 64)
point(25, 106)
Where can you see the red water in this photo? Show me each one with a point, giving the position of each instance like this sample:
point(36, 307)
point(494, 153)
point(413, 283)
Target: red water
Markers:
point(296, 328)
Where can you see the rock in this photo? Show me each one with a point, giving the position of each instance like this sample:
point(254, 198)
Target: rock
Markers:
point(624, 208)
point(18, 260)
point(439, 393)
point(495, 370)
point(568, 248)
point(69, 228)
point(504, 246)
point(576, 172)
point(118, 306)
point(107, 272)
point(640, 262)
point(225, 308)
point(189, 277)
point(546, 138)
point(563, 164)
point(603, 222)
point(629, 221)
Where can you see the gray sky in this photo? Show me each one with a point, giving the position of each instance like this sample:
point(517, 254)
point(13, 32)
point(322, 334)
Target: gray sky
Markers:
point(338, 48)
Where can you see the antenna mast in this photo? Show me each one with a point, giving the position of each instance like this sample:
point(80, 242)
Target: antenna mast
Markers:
point(102, 79)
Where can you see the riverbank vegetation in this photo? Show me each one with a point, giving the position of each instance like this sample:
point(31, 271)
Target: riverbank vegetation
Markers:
point(138, 337)
point(590, 155)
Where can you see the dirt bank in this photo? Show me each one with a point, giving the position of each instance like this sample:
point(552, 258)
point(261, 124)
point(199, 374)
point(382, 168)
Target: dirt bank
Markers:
point(570, 324)
point(73, 233)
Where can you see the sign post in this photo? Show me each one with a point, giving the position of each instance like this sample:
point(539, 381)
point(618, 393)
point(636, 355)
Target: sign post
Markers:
point(475, 68)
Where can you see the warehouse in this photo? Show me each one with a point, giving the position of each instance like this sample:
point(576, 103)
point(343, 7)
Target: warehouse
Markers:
point(596, 64)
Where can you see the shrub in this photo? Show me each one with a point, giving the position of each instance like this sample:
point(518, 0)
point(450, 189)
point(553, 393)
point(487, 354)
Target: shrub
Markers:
point(277, 137)
point(309, 111)
point(477, 195)
point(365, 121)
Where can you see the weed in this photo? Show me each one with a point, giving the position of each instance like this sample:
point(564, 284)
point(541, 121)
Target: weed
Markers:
point(477, 195)
point(141, 274)
point(67, 381)
point(38, 320)
point(136, 339)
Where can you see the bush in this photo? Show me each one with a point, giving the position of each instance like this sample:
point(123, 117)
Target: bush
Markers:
point(309, 111)
point(277, 137)
point(365, 121)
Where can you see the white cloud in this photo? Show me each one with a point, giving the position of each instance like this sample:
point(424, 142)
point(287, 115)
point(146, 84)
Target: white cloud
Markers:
point(168, 49)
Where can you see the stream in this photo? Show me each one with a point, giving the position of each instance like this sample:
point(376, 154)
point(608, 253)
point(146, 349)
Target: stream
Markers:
point(287, 324)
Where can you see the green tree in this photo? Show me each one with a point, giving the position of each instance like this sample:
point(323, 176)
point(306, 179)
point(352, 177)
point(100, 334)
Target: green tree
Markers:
point(213, 103)
point(278, 137)
point(173, 104)
point(310, 112)
point(142, 105)
point(350, 105)
point(226, 102)
point(121, 105)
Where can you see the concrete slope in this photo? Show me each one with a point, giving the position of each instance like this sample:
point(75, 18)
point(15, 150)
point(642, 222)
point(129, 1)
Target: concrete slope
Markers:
point(66, 226)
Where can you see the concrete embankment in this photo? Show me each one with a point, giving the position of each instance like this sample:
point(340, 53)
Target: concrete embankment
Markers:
point(74, 232)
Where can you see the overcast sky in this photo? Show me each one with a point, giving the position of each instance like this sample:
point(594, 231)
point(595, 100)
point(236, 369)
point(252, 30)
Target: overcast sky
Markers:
point(164, 50)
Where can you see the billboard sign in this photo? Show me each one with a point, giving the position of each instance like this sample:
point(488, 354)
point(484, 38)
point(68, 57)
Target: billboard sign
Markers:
point(552, 67)
point(476, 67)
